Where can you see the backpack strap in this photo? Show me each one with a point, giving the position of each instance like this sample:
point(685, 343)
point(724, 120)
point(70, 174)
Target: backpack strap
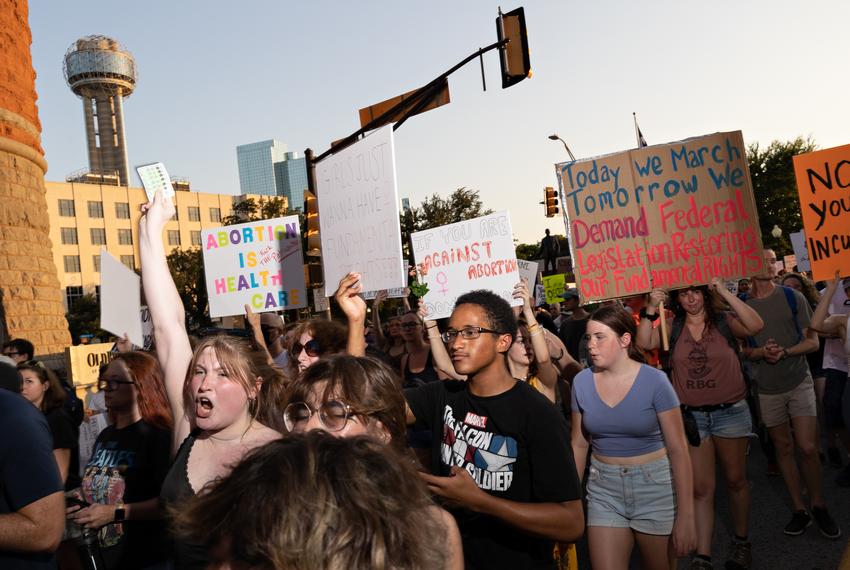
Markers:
point(792, 304)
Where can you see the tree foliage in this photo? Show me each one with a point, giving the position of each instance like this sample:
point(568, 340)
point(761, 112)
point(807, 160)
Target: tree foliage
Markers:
point(249, 210)
point(775, 190)
point(187, 270)
point(84, 318)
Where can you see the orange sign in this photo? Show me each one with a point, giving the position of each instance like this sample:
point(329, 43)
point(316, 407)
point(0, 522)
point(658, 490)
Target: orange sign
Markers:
point(823, 184)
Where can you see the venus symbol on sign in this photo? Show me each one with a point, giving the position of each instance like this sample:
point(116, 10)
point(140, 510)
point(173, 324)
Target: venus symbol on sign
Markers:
point(442, 282)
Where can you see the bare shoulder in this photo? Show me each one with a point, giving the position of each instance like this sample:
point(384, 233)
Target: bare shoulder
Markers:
point(261, 435)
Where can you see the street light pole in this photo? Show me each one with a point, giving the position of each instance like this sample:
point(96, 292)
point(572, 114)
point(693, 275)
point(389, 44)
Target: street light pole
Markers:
point(555, 137)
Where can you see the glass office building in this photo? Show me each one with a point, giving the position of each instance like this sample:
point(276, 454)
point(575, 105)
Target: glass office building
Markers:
point(292, 179)
point(256, 167)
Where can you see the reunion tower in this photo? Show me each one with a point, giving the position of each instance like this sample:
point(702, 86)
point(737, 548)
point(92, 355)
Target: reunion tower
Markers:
point(101, 72)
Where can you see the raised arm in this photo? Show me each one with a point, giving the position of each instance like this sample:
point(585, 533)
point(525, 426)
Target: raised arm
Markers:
point(442, 361)
point(648, 337)
point(546, 371)
point(169, 325)
point(748, 323)
point(253, 320)
point(822, 321)
point(376, 318)
point(352, 304)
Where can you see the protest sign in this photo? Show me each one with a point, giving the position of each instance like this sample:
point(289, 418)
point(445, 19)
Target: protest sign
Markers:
point(528, 269)
point(84, 361)
point(257, 263)
point(801, 252)
point(320, 302)
point(539, 295)
point(563, 264)
point(394, 293)
point(823, 185)
point(666, 216)
point(358, 214)
point(120, 304)
point(554, 286)
point(461, 257)
point(147, 328)
point(789, 261)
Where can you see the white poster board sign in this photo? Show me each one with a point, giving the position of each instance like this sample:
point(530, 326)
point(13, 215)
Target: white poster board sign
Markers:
point(462, 257)
point(256, 263)
point(147, 328)
point(528, 269)
point(798, 242)
point(320, 302)
point(358, 214)
point(120, 299)
point(394, 293)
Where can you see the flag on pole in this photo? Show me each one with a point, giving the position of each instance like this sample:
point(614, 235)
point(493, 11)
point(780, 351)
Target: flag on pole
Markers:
point(640, 140)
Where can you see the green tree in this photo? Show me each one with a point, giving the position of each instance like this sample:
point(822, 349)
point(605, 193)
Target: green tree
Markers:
point(250, 210)
point(435, 211)
point(84, 318)
point(528, 251)
point(775, 190)
point(187, 270)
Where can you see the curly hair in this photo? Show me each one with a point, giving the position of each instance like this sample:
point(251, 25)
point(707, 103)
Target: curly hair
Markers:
point(368, 385)
point(711, 303)
point(147, 375)
point(619, 320)
point(807, 288)
point(331, 336)
point(315, 501)
point(55, 395)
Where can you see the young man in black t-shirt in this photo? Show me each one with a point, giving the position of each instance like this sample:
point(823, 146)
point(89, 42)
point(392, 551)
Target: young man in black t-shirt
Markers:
point(501, 453)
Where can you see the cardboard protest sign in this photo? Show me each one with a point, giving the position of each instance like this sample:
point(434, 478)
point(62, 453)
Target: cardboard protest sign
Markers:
point(257, 263)
point(528, 269)
point(84, 362)
point(801, 252)
point(358, 214)
point(458, 258)
point(554, 286)
point(120, 299)
point(667, 216)
point(823, 185)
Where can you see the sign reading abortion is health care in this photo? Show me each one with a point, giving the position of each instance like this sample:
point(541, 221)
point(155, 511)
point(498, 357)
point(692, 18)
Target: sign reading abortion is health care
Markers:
point(823, 183)
point(462, 257)
point(257, 264)
point(666, 216)
point(358, 214)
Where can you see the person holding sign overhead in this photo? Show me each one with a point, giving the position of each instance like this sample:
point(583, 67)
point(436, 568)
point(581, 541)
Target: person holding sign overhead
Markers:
point(215, 392)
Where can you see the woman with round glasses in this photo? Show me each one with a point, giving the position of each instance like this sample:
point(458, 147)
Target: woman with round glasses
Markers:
point(44, 390)
point(122, 480)
point(218, 393)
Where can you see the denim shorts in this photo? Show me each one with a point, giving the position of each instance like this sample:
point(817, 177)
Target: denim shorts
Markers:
point(734, 421)
point(639, 497)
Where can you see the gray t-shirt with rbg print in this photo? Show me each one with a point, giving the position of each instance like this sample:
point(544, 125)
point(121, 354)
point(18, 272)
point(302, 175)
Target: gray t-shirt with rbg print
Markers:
point(778, 319)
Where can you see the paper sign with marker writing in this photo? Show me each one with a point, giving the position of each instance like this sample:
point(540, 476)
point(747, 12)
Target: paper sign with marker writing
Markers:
point(395, 293)
point(823, 185)
point(554, 286)
point(458, 258)
point(320, 302)
point(155, 179)
point(358, 214)
point(667, 216)
point(528, 269)
point(120, 299)
point(256, 263)
point(801, 252)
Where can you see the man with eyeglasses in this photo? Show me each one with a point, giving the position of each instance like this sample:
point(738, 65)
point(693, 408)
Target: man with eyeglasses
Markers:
point(501, 454)
point(19, 350)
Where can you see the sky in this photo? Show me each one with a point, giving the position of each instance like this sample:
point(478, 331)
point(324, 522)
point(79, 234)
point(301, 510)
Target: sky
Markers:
point(216, 74)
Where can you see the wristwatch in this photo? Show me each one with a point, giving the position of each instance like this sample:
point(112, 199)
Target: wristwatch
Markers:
point(120, 512)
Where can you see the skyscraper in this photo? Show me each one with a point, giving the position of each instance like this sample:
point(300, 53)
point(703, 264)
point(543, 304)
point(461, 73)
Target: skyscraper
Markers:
point(267, 168)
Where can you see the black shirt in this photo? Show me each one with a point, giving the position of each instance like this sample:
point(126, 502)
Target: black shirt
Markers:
point(129, 464)
point(66, 435)
point(516, 446)
point(28, 470)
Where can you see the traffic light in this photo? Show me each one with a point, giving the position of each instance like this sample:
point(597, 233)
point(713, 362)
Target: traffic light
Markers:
point(550, 201)
point(515, 60)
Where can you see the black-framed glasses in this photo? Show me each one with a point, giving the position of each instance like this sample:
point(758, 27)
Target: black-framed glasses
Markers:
point(466, 333)
point(311, 347)
point(109, 383)
point(333, 415)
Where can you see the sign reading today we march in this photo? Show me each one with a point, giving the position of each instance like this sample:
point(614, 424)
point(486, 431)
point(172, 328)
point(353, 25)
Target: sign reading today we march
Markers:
point(465, 256)
point(256, 263)
point(358, 214)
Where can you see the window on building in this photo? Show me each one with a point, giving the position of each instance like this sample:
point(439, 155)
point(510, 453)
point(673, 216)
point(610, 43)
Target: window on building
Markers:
point(125, 237)
point(173, 237)
point(97, 293)
point(69, 236)
point(66, 208)
point(196, 238)
point(72, 295)
point(129, 261)
point(215, 214)
point(95, 259)
point(98, 236)
point(122, 210)
point(95, 209)
point(72, 263)
point(194, 214)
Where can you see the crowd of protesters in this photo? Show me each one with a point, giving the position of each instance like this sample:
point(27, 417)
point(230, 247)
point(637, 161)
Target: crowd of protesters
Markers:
point(496, 438)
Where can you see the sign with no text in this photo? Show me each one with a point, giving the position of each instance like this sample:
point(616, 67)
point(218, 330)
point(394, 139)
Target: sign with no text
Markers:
point(462, 257)
point(823, 183)
point(667, 216)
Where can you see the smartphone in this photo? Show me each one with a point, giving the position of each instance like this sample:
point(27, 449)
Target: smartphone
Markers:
point(74, 501)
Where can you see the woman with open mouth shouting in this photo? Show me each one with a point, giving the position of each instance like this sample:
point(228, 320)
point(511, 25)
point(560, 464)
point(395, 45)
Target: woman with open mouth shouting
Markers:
point(215, 393)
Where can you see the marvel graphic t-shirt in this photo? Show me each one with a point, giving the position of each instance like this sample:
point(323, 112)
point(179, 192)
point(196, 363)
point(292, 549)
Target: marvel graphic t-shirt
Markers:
point(516, 446)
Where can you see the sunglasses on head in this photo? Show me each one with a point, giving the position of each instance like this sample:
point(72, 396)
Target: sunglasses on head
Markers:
point(311, 347)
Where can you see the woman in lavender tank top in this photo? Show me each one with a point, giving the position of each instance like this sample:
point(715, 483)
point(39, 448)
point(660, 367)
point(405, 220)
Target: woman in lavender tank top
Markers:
point(639, 481)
